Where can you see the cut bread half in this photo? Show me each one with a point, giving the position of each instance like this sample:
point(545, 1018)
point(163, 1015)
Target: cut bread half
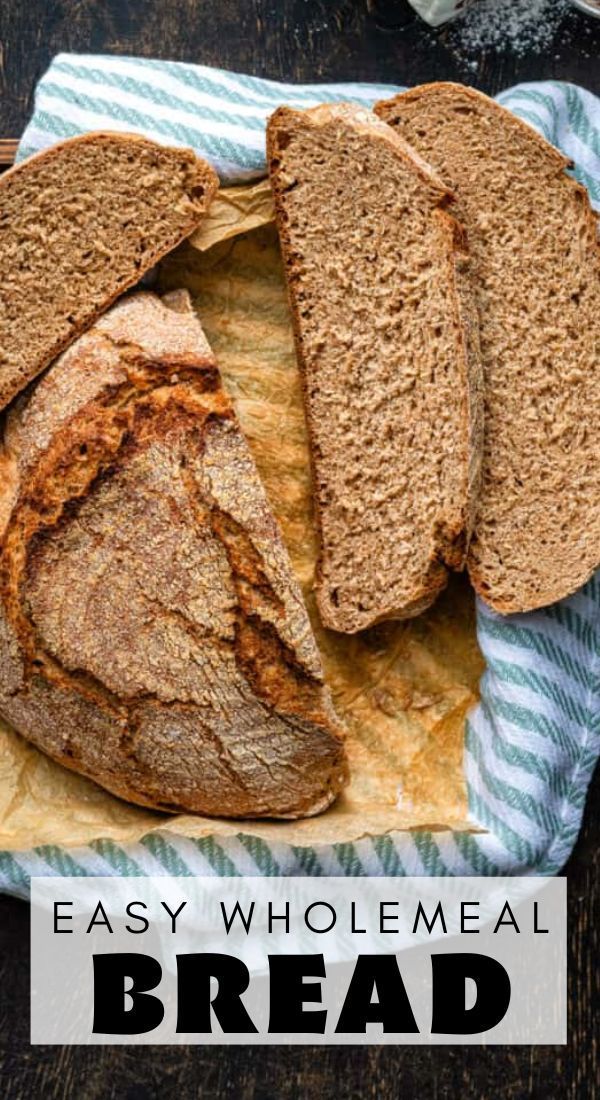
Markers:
point(152, 634)
point(387, 347)
point(536, 267)
point(79, 224)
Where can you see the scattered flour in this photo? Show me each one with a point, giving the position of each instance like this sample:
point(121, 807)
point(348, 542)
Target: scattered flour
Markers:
point(521, 26)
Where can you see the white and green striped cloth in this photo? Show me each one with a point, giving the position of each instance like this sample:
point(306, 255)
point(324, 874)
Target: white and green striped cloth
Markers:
point(533, 740)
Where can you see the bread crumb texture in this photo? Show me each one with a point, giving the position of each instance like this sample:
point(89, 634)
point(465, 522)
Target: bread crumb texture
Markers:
point(377, 275)
point(536, 263)
point(79, 224)
point(152, 635)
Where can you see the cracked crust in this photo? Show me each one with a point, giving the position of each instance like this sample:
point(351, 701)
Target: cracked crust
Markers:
point(152, 636)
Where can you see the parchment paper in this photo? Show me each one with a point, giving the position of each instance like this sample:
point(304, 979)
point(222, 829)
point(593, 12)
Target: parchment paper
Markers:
point(403, 689)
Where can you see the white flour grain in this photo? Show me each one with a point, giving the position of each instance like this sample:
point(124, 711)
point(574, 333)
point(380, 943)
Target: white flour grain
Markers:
point(521, 26)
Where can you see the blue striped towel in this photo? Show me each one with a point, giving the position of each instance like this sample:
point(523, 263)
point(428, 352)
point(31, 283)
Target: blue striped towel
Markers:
point(533, 740)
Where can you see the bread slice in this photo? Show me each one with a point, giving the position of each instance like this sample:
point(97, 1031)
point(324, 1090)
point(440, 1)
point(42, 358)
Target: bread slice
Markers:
point(79, 224)
point(152, 635)
point(536, 263)
point(387, 346)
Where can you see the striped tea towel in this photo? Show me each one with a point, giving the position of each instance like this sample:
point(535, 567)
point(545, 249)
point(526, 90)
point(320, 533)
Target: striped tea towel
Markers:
point(533, 740)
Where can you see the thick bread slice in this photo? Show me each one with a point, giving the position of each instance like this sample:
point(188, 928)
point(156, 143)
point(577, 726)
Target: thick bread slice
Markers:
point(536, 266)
point(79, 224)
point(388, 353)
point(152, 635)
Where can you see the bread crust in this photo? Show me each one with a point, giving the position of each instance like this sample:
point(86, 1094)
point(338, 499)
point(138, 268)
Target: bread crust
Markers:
point(202, 182)
point(451, 540)
point(152, 635)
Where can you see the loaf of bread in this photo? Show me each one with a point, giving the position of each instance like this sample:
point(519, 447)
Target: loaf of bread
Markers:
point(387, 345)
point(82, 222)
point(536, 265)
point(152, 635)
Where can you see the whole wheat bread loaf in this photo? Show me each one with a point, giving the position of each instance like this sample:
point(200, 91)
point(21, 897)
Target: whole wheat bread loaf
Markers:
point(79, 224)
point(387, 346)
point(536, 266)
point(152, 635)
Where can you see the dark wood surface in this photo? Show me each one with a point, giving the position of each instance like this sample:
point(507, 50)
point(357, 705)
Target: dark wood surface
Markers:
point(295, 40)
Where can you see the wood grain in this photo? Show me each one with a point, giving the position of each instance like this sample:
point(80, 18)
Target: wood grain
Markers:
point(8, 149)
point(294, 40)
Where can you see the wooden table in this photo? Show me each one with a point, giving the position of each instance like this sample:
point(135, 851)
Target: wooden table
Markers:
point(296, 40)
